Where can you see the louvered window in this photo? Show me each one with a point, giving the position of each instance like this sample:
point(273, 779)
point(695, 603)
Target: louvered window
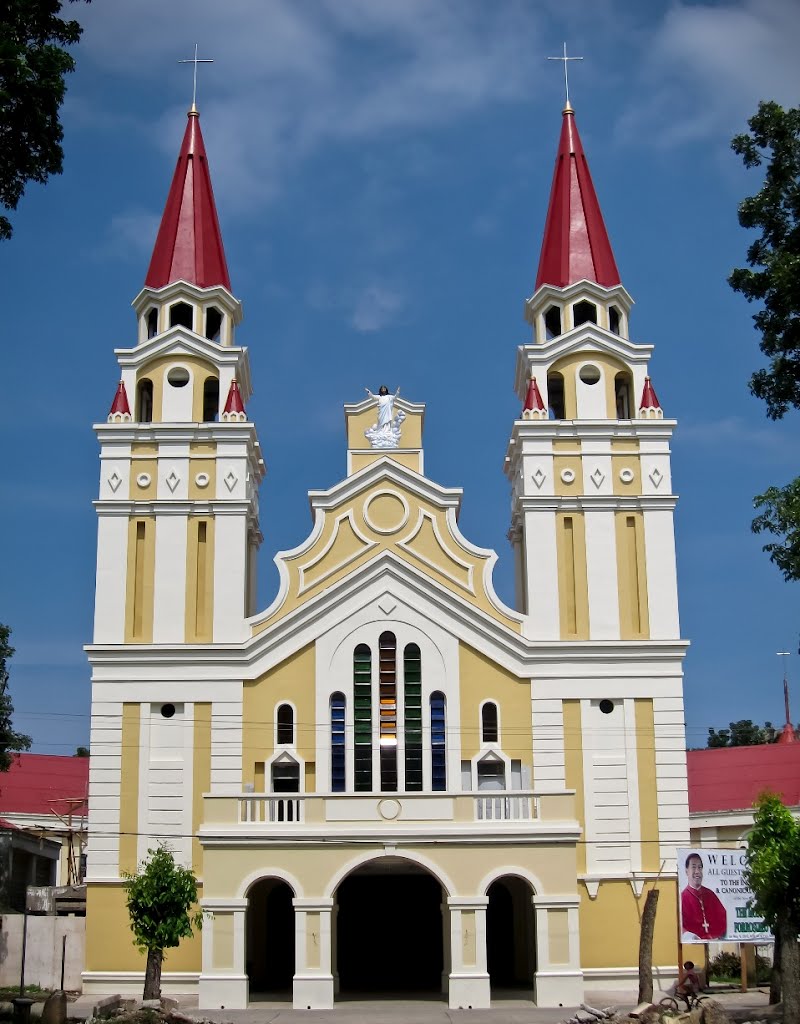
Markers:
point(387, 687)
point(438, 742)
point(362, 717)
point(338, 708)
point(412, 692)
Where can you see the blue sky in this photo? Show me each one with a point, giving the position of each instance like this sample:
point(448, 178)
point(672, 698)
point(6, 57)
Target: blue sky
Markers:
point(382, 172)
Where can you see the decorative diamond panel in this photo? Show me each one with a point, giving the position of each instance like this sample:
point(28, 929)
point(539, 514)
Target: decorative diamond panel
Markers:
point(114, 481)
point(231, 480)
point(173, 480)
point(538, 477)
point(656, 476)
point(597, 477)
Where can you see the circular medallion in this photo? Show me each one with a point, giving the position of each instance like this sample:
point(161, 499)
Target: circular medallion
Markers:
point(143, 479)
point(202, 479)
point(389, 809)
point(568, 476)
point(386, 512)
point(626, 476)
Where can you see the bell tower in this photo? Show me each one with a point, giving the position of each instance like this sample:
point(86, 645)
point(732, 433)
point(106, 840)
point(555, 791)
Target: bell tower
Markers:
point(589, 457)
point(180, 461)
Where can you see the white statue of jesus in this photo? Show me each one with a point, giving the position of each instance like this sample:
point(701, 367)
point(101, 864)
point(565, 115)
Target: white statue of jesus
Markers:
point(386, 432)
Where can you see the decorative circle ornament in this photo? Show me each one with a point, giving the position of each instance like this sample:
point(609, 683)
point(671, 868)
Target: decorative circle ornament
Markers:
point(202, 479)
point(568, 476)
point(386, 512)
point(626, 476)
point(143, 479)
point(389, 809)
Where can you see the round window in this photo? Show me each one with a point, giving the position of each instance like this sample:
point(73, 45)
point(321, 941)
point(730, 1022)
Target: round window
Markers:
point(167, 710)
point(589, 374)
point(606, 706)
point(178, 376)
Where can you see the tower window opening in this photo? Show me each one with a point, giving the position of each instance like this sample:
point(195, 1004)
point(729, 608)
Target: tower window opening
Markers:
point(589, 374)
point(623, 396)
point(491, 775)
point(181, 315)
point(213, 324)
point(210, 400)
point(489, 728)
point(337, 743)
point(144, 401)
point(555, 396)
point(552, 323)
point(613, 320)
point(152, 322)
point(285, 720)
point(584, 312)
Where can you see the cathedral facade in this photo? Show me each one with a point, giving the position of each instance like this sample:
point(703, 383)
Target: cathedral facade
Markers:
point(388, 779)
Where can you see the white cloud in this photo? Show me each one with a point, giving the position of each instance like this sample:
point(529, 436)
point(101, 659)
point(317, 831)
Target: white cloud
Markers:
point(376, 306)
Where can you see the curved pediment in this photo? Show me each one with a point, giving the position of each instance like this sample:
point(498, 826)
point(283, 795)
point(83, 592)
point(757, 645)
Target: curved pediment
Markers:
point(386, 508)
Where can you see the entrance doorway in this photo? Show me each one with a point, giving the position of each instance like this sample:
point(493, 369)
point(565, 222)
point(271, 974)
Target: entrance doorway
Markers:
point(270, 937)
point(510, 934)
point(389, 934)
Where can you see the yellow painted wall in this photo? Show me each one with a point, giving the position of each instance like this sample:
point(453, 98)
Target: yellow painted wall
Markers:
point(201, 777)
point(610, 925)
point(625, 455)
point(350, 538)
point(573, 585)
point(200, 581)
point(140, 580)
point(156, 370)
point(648, 792)
point(293, 681)
point(569, 367)
point(129, 787)
point(482, 679)
point(634, 616)
point(358, 422)
point(109, 939)
point(411, 460)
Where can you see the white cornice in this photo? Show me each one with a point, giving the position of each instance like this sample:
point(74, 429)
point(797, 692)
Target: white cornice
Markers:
point(175, 289)
point(382, 469)
point(585, 338)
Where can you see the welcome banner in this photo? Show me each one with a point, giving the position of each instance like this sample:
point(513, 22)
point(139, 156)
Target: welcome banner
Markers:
point(714, 898)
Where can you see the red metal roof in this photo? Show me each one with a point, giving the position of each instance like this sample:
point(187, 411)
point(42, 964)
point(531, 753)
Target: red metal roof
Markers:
point(732, 778)
point(42, 783)
point(234, 403)
point(649, 396)
point(533, 398)
point(575, 246)
point(189, 243)
point(120, 403)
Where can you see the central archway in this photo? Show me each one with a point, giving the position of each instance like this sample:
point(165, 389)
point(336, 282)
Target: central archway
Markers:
point(510, 934)
point(270, 938)
point(389, 930)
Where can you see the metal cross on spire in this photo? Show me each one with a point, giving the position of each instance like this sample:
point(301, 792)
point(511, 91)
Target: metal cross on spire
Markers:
point(565, 58)
point(196, 60)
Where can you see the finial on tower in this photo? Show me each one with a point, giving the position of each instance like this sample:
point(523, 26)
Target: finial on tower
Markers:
point(195, 60)
point(567, 105)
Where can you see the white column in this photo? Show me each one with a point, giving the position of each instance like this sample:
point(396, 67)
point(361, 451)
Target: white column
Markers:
point(230, 575)
point(223, 987)
point(312, 986)
point(601, 574)
point(111, 579)
point(557, 984)
point(662, 582)
point(469, 982)
point(541, 568)
point(169, 585)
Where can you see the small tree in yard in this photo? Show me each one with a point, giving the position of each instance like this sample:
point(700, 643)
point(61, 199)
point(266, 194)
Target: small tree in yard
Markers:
point(773, 873)
point(160, 900)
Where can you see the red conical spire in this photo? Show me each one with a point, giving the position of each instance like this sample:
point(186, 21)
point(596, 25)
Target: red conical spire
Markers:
point(649, 396)
point(575, 246)
point(189, 243)
point(120, 410)
point(234, 406)
point(534, 407)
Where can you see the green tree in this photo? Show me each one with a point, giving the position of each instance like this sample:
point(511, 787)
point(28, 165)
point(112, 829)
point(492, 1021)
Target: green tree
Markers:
point(33, 63)
point(160, 900)
point(773, 873)
point(10, 741)
point(743, 733)
point(772, 279)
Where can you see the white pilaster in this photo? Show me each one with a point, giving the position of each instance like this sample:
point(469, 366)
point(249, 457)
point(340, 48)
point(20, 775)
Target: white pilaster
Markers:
point(312, 986)
point(230, 575)
point(662, 582)
point(469, 986)
point(541, 566)
point(223, 987)
point(111, 579)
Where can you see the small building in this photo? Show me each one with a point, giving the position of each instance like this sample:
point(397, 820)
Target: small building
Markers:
point(25, 859)
point(46, 795)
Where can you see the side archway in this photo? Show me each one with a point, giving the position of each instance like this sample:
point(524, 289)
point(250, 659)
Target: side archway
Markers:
point(269, 936)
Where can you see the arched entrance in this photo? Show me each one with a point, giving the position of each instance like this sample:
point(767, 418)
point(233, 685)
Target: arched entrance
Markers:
point(510, 934)
point(389, 931)
point(269, 953)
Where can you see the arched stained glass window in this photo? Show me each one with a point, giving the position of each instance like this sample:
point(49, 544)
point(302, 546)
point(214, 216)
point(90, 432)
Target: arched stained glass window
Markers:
point(285, 719)
point(362, 717)
point(489, 731)
point(387, 682)
point(438, 742)
point(338, 708)
point(412, 693)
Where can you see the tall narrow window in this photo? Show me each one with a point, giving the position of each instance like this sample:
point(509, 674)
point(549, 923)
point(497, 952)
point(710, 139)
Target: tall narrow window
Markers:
point(412, 690)
point(152, 322)
point(362, 717)
point(555, 396)
point(210, 399)
point(213, 323)
point(202, 572)
point(622, 395)
point(285, 719)
point(438, 742)
point(387, 682)
point(138, 581)
point(337, 743)
point(144, 401)
point(552, 323)
point(489, 730)
point(613, 319)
